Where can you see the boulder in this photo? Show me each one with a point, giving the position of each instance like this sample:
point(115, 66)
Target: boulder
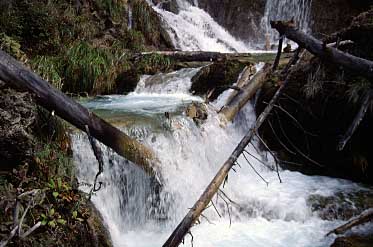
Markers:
point(126, 81)
point(215, 78)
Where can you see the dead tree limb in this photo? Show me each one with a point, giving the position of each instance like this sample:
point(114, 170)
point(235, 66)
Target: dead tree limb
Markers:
point(357, 120)
point(17, 75)
point(182, 229)
point(356, 64)
point(363, 218)
point(278, 56)
point(230, 110)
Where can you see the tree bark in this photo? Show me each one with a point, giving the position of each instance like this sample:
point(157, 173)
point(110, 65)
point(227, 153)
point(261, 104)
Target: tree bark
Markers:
point(239, 99)
point(356, 64)
point(363, 218)
point(17, 75)
point(204, 56)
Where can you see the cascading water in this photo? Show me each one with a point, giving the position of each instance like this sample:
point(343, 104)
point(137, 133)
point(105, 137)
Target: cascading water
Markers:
point(192, 29)
point(298, 10)
point(137, 214)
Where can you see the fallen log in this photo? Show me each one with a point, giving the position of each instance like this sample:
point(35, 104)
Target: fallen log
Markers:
point(244, 78)
point(17, 75)
point(330, 54)
point(363, 218)
point(204, 56)
point(194, 213)
point(239, 99)
point(195, 56)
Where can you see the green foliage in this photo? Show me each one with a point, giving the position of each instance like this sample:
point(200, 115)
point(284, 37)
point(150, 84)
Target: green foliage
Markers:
point(146, 21)
point(86, 66)
point(11, 46)
point(114, 8)
point(49, 68)
point(152, 63)
point(134, 41)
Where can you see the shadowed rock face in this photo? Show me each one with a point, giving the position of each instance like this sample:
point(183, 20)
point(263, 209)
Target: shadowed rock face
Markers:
point(240, 17)
point(329, 16)
point(17, 117)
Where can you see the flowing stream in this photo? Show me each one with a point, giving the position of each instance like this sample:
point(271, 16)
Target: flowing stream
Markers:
point(298, 10)
point(138, 213)
point(277, 214)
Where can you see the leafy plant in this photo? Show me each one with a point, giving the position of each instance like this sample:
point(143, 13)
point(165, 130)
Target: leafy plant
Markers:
point(85, 66)
point(11, 46)
point(49, 68)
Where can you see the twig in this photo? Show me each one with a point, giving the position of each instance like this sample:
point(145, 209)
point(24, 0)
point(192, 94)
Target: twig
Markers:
point(292, 61)
point(294, 146)
point(274, 156)
point(11, 235)
point(279, 140)
point(357, 120)
point(98, 154)
point(215, 209)
point(257, 173)
point(260, 161)
point(36, 226)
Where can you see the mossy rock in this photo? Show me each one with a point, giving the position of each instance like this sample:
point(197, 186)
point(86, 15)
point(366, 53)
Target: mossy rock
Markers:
point(354, 241)
point(342, 206)
point(217, 76)
point(126, 81)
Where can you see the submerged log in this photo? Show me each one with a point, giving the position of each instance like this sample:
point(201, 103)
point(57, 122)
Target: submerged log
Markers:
point(363, 218)
point(17, 75)
point(356, 64)
point(239, 99)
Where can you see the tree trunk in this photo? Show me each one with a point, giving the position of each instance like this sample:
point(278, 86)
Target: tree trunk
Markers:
point(239, 99)
point(356, 64)
point(17, 75)
point(204, 56)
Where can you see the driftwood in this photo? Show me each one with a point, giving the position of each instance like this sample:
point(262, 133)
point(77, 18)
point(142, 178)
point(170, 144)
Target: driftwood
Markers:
point(17, 75)
point(357, 120)
point(363, 218)
point(239, 100)
point(195, 212)
point(356, 64)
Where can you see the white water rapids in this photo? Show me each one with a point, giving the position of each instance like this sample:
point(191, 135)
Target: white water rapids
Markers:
point(190, 155)
point(139, 214)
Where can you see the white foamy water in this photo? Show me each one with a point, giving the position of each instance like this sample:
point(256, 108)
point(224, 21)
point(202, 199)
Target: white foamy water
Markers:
point(285, 10)
point(192, 29)
point(138, 214)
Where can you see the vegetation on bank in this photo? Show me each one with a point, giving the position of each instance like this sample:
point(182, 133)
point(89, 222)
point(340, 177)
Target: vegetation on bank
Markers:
point(91, 45)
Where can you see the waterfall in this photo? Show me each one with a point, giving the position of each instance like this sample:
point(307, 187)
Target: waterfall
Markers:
point(192, 29)
point(130, 18)
point(139, 214)
point(300, 10)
